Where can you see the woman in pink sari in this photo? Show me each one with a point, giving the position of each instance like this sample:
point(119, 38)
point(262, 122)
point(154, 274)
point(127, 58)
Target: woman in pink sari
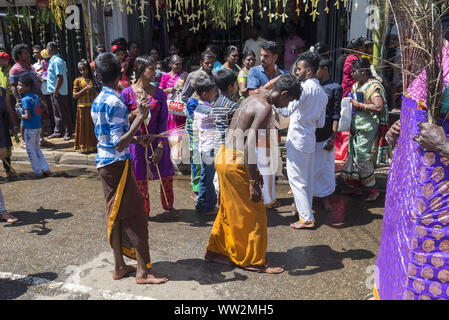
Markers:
point(172, 82)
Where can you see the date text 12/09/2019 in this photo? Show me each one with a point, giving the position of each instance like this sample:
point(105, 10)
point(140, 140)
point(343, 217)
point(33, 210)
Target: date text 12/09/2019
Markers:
point(225, 309)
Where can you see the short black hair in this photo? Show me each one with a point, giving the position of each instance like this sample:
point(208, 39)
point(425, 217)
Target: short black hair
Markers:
point(271, 46)
point(53, 46)
point(107, 67)
point(18, 50)
point(289, 83)
point(208, 54)
point(311, 60)
point(224, 78)
point(37, 47)
point(27, 81)
point(202, 83)
point(325, 61)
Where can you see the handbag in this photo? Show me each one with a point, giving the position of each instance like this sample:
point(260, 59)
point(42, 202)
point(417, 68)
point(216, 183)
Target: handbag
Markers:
point(345, 115)
point(176, 105)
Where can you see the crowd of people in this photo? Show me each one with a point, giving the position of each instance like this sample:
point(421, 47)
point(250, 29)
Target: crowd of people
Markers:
point(137, 108)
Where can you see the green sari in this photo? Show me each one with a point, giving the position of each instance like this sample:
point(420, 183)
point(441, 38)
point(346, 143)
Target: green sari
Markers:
point(364, 131)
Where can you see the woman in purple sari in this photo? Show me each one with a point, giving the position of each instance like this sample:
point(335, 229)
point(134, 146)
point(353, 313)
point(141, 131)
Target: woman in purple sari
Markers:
point(145, 68)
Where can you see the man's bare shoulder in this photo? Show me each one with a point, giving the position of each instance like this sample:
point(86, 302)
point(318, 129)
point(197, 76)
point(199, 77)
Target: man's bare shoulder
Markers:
point(256, 103)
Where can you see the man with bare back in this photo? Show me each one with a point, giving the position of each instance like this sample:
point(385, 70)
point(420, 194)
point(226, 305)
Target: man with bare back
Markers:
point(239, 234)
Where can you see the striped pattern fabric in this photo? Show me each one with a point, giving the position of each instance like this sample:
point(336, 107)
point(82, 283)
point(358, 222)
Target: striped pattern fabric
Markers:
point(110, 117)
point(223, 111)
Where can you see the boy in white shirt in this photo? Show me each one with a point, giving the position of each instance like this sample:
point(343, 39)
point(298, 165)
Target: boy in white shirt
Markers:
point(306, 114)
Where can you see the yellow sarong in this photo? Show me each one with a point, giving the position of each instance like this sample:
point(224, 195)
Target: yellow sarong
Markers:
point(240, 229)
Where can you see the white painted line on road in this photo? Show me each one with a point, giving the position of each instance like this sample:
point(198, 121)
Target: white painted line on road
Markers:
point(76, 288)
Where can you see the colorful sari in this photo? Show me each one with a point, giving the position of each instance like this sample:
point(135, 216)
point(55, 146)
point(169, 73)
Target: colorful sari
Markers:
point(174, 121)
point(157, 125)
point(364, 131)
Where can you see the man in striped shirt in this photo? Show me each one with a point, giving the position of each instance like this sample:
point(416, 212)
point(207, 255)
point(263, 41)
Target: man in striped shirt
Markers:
point(127, 219)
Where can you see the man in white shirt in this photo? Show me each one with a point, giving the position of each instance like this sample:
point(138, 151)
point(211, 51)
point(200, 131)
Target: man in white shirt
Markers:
point(306, 114)
point(254, 43)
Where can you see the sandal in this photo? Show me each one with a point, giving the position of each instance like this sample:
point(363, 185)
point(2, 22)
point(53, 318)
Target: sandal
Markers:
point(275, 204)
point(11, 218)
point(372, 197)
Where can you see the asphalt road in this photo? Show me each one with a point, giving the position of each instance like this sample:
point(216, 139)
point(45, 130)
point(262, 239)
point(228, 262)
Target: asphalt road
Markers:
point(59, 250)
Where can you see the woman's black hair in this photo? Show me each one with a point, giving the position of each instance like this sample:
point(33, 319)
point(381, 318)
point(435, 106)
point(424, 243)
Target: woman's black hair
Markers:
point(87, 65)
point(224, 78)
point(141, 63)
point(17, 51)
point(121, 42)
point(229, 50)
point(175, 57)
point(131, 43)
point(247, 53)
point(321, 48)
point(354, 44)
point(107, 68)
point(363, 64)
point(27, 81)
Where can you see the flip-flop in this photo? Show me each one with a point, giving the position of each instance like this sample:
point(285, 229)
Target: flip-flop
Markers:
point(274, 205)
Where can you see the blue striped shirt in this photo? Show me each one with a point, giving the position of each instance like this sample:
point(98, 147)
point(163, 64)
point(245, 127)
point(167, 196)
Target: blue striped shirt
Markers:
point(110, 116)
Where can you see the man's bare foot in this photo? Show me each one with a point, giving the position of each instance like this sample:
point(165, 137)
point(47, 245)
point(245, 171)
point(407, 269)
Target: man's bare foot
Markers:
point(265, 269)
point(213, 212)
point(299, 225)
point(123, 271)
point(194, 197)
point(290, 192)
point(150, 277)
point(9, 218)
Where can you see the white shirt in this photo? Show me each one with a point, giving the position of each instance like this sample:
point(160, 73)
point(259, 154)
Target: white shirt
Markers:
point(306, 114)
point(254, 46)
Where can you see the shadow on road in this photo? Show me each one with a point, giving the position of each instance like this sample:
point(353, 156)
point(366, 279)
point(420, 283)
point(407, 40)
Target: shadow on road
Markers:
point(201, 271)
point(13, 289)
point(39, 219)
point(189, 216)
point(321, 257)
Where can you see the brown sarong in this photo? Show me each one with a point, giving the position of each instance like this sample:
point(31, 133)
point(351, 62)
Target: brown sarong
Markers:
point(125, 209)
